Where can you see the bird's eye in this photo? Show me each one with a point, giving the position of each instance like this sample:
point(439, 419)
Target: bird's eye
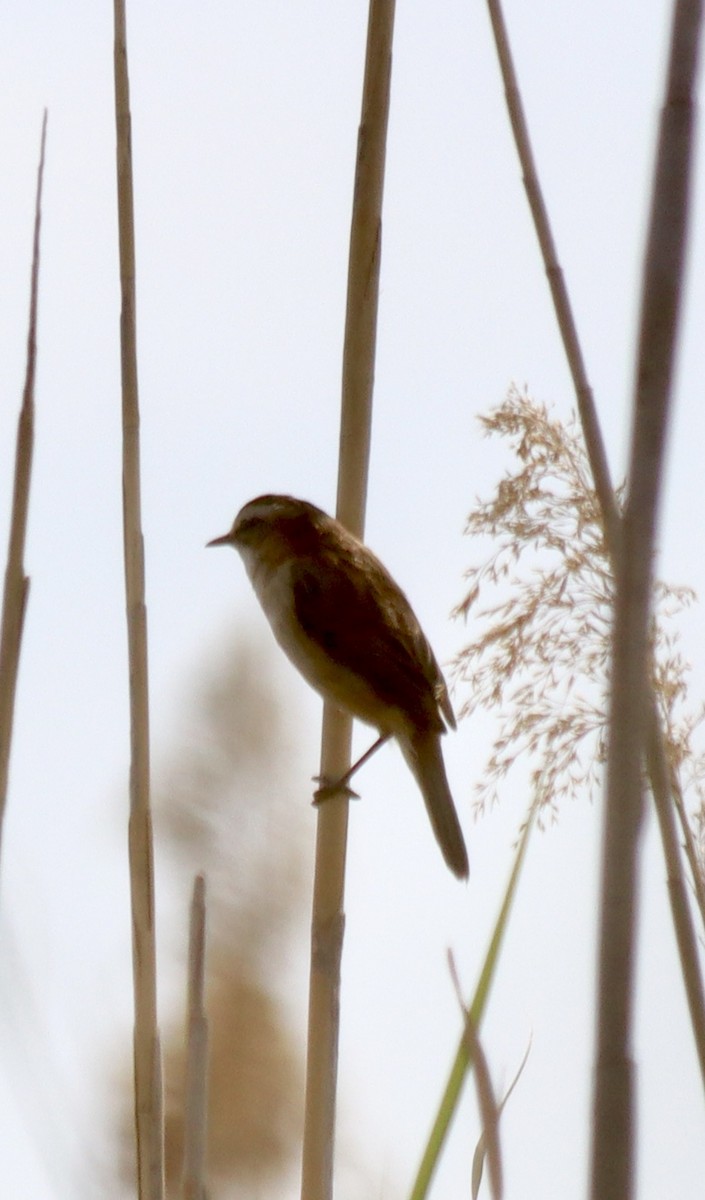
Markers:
point(249, 527)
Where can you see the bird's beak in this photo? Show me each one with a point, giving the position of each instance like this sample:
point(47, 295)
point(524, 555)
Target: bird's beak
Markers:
point(225, 540)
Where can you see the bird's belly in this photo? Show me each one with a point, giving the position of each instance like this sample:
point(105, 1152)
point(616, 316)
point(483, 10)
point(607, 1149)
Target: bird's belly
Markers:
point(343, 687)
point(334, 682)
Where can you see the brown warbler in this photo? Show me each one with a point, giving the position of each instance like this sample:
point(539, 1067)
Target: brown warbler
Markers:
point(342, 620)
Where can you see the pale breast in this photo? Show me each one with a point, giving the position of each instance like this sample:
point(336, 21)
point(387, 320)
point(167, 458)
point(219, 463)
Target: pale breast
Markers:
point(344, 687)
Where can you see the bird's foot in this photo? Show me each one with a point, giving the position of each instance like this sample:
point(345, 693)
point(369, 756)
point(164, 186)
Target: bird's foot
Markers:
point(328, 790)
point(339, 787)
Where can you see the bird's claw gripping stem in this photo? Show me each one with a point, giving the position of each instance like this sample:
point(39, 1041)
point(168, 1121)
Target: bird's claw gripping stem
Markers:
point(329, 790)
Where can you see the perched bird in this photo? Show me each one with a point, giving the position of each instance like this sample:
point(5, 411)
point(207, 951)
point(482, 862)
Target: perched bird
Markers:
point(342, 620)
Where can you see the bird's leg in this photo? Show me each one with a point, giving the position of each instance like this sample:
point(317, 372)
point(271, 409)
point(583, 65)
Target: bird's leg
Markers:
point(340, 786)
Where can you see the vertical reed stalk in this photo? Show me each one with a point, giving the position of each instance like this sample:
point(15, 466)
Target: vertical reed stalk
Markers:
point(613, 1114)
point(328, 919)
point(147, 1056)
point(196, 1099)
point(16, 588)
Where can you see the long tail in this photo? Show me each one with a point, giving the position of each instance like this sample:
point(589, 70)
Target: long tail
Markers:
point(425, 758)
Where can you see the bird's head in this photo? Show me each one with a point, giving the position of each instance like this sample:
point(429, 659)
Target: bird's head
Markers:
point(273, 527)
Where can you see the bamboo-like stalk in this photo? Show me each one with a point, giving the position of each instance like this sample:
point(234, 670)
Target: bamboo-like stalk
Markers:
point(16, 587)
point(147, 1054)
point(328, 920)
point(612, 1147)
point(664, 789)
point(193, 1185)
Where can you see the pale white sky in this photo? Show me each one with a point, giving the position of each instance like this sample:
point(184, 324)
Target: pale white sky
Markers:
point(244, 128)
